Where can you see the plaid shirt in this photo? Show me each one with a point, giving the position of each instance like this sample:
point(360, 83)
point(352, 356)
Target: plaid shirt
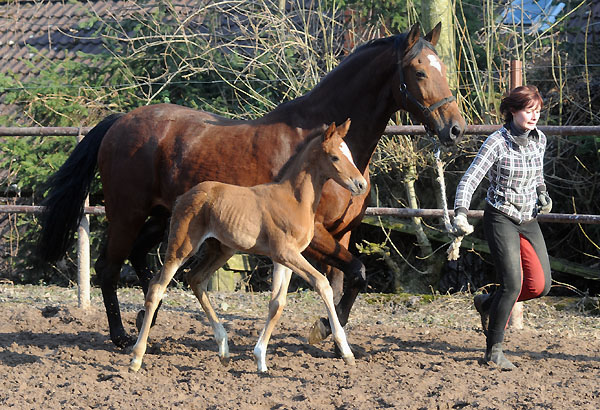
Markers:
point(515, 173)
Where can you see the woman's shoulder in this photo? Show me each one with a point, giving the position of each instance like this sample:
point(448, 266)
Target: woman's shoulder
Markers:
point(498, 137)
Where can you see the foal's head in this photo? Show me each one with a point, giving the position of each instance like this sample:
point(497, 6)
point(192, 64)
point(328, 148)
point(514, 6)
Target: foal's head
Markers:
point(424, 90)
point(335, 160)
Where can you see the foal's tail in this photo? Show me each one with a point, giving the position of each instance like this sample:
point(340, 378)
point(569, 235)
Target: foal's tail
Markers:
point(67, 190)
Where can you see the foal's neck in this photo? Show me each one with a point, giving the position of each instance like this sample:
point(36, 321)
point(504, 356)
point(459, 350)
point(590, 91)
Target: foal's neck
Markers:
point(304, 177)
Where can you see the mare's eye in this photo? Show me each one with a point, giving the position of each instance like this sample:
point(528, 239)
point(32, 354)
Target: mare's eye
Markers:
point(335, 158)
point(421, 75)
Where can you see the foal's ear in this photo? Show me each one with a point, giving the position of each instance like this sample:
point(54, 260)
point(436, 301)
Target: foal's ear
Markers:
point(343, 129)
point(434, 35)
point(329, 131)
point(413, 36)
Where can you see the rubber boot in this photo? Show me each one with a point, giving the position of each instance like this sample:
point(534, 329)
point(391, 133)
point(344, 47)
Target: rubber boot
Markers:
point(494, 354)
point(479, 301)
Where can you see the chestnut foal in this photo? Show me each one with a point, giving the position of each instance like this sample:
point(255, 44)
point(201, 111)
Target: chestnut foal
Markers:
point(274, 219)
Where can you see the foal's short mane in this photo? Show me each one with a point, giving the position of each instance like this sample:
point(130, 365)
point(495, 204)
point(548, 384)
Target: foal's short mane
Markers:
point(315, 133)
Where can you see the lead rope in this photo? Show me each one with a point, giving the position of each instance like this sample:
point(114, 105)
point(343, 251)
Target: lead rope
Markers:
point(454, 248)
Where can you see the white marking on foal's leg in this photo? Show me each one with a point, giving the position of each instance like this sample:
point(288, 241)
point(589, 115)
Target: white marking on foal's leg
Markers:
point(281, 281)
point(435, 62)
point(221, 339)
point(344, 148)
point(337, 331)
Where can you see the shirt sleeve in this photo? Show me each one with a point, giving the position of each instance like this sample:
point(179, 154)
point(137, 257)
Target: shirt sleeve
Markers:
point(540, 182)
point(485, 158)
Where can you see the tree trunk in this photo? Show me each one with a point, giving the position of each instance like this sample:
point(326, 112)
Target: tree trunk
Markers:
point(433, 12)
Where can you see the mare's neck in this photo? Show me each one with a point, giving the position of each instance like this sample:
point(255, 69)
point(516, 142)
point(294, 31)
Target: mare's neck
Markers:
point(359, 89)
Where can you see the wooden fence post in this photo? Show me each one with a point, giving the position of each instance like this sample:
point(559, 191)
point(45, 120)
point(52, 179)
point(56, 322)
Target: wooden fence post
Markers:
point(83, 256)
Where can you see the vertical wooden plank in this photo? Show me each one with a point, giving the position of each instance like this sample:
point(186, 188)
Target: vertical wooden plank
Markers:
point(83, 257)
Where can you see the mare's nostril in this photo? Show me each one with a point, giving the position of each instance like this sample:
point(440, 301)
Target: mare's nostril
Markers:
point(455, 132)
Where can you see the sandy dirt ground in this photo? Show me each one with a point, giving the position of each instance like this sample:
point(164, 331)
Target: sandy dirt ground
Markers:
point(421, 355)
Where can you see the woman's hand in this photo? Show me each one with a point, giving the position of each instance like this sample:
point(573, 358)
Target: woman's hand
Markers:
point(461, 225)
point(544, 203)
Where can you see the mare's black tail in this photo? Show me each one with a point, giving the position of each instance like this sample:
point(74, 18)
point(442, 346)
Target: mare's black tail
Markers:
point(67, 190)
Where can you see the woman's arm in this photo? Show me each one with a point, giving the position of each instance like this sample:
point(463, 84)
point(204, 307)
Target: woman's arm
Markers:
point(483, 161)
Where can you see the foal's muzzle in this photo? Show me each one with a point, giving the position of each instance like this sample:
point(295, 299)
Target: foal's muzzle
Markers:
point(358, 186)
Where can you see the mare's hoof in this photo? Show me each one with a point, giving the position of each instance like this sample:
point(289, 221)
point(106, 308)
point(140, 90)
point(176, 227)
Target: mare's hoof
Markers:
point(140, 319)
point(357, 351)
point(318, 332)
point(124, 340)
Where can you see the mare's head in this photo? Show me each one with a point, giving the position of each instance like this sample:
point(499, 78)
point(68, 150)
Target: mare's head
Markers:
point(422, 88)
point(335, 160)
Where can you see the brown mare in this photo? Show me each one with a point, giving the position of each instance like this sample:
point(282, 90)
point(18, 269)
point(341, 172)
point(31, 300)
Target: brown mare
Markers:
point(275, 219)
point(154, 153)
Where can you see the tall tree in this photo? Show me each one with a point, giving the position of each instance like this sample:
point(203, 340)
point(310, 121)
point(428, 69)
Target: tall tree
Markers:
point(433, 12)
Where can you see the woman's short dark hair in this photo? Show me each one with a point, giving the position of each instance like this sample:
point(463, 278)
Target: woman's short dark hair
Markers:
point(520, 98)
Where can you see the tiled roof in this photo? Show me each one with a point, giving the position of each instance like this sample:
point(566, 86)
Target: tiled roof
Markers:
point(49, 30)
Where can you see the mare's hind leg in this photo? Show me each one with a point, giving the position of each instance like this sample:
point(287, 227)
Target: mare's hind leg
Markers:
point(213, 256)
point(150, 236)
point(281, 281)
point(120, 239)
point(298, 264)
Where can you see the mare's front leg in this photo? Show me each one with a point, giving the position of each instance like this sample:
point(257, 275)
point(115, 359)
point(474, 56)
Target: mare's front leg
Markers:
point(281, 281)
point(324, 248)
point(298, 264)
point(212, 257)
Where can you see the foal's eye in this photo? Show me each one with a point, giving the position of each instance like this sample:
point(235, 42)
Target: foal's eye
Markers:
point(421, 75)
point(335, 158)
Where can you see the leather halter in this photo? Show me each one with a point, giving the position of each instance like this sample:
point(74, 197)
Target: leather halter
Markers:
point(405, 97)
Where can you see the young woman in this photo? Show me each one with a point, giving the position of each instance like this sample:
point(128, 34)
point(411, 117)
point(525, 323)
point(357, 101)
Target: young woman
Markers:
point(512, 157)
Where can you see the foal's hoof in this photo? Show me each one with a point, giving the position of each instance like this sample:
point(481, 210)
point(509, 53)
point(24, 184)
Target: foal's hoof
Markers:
point(224, 360)
point(135, 365)
point(318, 332)
point(349, 360)
point(359, 352)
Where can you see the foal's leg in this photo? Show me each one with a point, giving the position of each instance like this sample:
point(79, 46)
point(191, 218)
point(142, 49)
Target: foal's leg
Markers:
point(326, 249)
point(156, 290)
point(151, 234)
point(184, 240)
point(281, 281)
point(213, 257)
point(298, 264)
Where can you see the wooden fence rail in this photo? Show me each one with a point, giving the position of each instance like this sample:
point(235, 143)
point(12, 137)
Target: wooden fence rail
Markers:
point(83, 250)
point(557, 130)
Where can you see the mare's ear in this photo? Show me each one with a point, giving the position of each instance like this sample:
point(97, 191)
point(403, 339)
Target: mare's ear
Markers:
point(413, 36)
point(343, 129)
point(329, 131)
point(434, 35)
